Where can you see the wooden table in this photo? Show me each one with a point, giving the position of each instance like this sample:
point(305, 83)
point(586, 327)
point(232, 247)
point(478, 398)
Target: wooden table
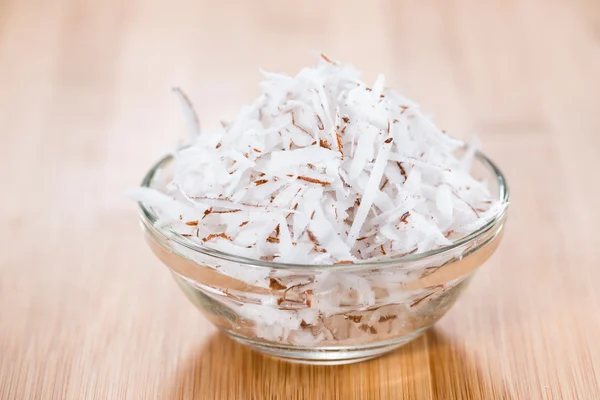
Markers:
point(86, 311)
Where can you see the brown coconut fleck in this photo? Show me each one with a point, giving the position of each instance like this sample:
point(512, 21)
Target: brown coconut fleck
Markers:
point(385, 182)
point(227, 211)
point(216, 235)
point(319, 122)
point(367, 328)
point(402, 170)
point(325, 144)
point(299, 127)
point(324, 57)
point(276, 285)
point(339, 144)
point(312, 237)
point(354, 318)
point(304, 324)
point(404, 217)
point(313, 180)
point(207, 212)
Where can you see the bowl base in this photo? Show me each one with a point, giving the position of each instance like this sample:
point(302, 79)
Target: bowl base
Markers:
point(331, 355)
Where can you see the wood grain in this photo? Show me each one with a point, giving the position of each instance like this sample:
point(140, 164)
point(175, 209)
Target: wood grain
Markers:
point(87, 312)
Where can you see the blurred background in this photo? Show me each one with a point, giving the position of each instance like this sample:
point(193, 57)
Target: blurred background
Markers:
point(85, 109)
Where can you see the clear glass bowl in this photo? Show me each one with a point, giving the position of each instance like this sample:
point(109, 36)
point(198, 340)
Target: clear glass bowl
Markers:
point(322, 314)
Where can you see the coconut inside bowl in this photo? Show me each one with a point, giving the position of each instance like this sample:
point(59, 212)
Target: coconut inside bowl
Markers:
point(329, 222)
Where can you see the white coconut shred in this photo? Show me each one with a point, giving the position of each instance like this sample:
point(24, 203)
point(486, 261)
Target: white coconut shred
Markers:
point(322, 169)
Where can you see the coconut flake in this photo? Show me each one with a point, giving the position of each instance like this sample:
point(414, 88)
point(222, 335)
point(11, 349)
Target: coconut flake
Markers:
point(191, 117)
point(370, 192)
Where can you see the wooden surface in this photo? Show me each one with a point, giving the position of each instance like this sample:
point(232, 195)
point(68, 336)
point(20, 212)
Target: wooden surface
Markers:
point(87, 312)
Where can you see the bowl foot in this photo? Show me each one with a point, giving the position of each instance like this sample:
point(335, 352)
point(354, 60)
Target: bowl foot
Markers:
point(330, 355)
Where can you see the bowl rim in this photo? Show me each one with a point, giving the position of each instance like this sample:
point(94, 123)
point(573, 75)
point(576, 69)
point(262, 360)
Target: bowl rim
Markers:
point(149, 219)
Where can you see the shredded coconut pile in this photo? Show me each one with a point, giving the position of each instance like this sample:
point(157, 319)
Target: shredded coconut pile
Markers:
point(323, 169)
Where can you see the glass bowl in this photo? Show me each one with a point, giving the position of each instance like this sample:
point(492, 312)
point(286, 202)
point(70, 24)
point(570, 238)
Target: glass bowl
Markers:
point(324, 314)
